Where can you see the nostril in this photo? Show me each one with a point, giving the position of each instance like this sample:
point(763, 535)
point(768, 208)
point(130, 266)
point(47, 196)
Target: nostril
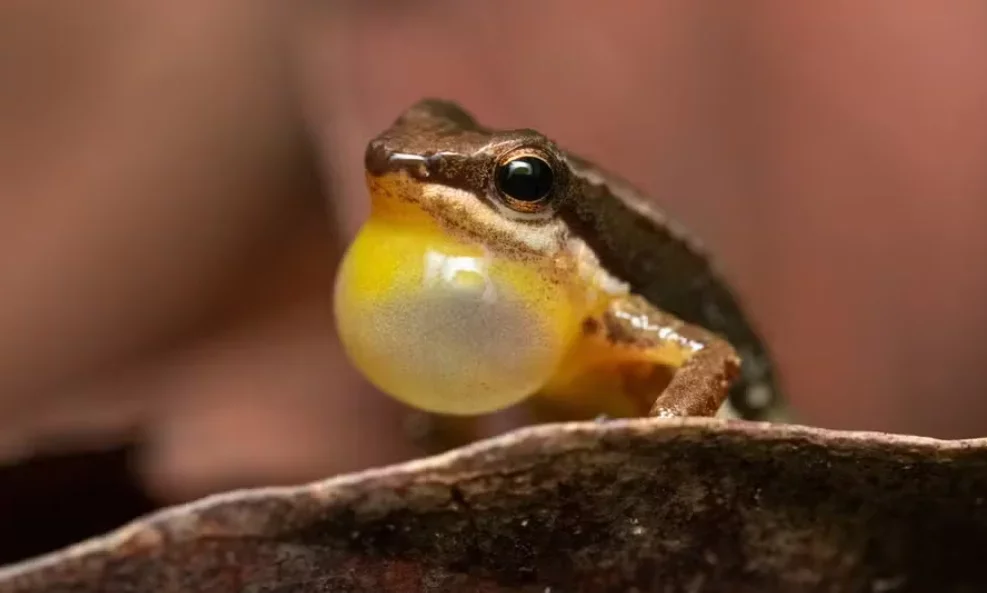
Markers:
point(377, 157)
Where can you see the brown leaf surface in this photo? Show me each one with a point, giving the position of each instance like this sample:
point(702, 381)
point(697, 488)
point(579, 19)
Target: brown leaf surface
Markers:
point(641, 505)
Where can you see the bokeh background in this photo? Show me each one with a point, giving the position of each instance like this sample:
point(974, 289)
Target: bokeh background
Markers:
point(178, 179)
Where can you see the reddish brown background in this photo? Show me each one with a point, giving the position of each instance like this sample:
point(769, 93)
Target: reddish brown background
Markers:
point(166, 249)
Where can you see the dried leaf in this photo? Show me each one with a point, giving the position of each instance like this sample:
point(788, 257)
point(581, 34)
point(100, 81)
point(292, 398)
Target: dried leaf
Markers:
point(640, 505)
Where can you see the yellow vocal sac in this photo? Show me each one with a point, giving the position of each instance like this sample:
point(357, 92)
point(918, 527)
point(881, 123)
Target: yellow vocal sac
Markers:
point(446, 326)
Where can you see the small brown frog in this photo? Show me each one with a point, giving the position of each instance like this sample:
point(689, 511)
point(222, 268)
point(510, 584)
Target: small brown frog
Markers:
point(496, 268)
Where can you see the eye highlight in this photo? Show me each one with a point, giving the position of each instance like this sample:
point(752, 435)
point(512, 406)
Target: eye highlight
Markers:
point(525, 181)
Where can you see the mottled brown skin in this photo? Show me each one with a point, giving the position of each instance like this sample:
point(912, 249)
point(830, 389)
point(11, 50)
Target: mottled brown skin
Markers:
point(699, 387)
point(674, 280)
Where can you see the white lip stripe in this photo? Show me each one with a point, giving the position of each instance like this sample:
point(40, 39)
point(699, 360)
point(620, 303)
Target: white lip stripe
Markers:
point(552, 239)
point(546, 239)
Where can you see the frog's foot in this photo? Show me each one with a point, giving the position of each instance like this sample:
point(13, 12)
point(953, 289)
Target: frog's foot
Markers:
point(700, 386)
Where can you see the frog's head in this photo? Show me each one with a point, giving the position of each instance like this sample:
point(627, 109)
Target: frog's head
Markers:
point(464, 289)
point(500, 189)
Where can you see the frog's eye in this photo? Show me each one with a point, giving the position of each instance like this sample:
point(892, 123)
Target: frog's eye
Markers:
point(525, 182)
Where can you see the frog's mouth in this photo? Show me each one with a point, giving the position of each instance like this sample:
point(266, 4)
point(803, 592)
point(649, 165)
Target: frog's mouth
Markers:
point(444, 324)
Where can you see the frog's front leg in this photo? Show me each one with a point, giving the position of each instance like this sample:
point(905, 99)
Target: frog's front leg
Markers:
point(633, 359)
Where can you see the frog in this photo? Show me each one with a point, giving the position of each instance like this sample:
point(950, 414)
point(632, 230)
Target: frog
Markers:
point(497, 269)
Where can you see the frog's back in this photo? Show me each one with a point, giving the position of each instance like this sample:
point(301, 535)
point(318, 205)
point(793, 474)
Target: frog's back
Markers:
point(667, 264)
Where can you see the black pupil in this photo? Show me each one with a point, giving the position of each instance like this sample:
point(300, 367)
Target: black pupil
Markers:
point(525, 178)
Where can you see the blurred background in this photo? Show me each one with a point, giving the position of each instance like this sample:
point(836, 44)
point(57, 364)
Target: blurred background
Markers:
point(178, 179)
